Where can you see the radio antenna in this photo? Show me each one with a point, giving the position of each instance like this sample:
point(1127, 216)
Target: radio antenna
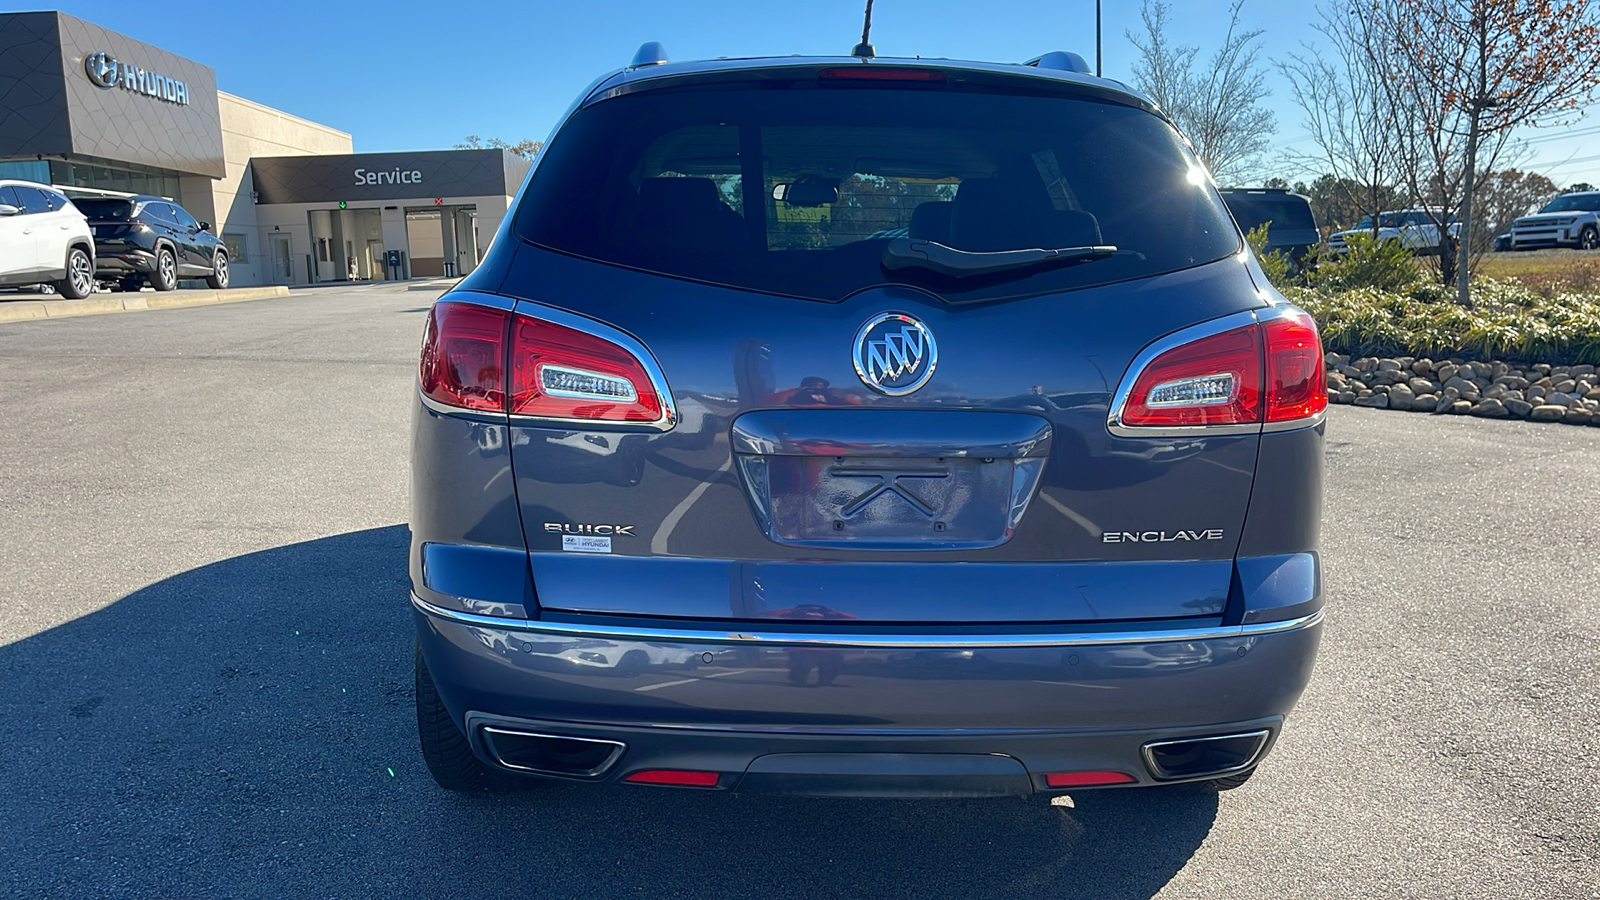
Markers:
point(864, 49)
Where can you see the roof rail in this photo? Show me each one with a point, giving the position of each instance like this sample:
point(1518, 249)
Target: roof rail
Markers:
point(651, 53)
point(1060, 59)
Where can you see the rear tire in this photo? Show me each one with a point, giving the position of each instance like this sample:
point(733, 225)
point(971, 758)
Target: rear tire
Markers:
point(165, 277)
point(445, 749)
point(218, 279)
point(79, 282)
point(1588, 238)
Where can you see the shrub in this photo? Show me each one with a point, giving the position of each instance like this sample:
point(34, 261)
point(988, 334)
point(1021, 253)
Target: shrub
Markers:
point(1507, 320)
point(1276, 264)
point(1368, 263)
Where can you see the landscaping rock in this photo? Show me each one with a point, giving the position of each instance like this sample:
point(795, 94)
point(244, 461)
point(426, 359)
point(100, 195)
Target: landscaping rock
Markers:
point(1460, 408)
point(1566, 386)
point(1400, 397)
point(1536, 392)
point(1562, 400)
point(1548, 413)
point(1422, 403)
point(1512, 382)
point(1461, 384)
point(1375, 401)
point(1347, 397)
point(1490, 409)
point(1484, 370)
point(1388, 365)
point(1518, 408)
point(1423, 366)
point(1583, 371)
point(1420, 386)
point(1445, 371)
point(1577, 415)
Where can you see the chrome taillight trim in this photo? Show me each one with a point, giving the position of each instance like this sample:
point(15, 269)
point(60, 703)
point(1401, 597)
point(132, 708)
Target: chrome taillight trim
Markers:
point(658, 380)
point(1177, 339)
point(879, 641)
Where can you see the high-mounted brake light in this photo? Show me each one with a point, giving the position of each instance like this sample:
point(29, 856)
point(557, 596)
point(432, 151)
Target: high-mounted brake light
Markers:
point(481, 358)
point(1261, 372)
point(881, 73)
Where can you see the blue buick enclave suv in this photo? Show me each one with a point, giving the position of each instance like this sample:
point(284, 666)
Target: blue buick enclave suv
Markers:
point(865, 427)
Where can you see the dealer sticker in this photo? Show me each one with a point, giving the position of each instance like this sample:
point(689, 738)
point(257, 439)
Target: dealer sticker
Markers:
point(585, 544)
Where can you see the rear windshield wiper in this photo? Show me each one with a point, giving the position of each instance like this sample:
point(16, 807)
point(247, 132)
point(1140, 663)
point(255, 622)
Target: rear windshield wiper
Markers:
point(904, 253)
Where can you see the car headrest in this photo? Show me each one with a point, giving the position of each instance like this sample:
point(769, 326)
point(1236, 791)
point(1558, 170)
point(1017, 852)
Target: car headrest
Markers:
point(995, 214)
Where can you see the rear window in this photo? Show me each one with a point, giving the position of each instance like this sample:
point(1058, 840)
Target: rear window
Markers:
point(105, 210)
point(797, 191)
point(1285, 213)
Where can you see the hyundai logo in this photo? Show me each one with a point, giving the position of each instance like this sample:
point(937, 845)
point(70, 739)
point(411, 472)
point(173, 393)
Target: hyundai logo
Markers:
point(102, 69)
point(895, 354)
point(106, 72)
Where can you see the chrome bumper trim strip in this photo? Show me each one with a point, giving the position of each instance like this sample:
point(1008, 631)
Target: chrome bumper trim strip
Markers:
point(865, 641)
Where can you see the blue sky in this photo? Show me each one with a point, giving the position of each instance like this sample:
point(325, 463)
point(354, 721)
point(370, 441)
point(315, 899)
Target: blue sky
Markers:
point(408, 75)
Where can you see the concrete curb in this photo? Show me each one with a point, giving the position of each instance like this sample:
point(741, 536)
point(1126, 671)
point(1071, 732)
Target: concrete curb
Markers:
point(97, 304)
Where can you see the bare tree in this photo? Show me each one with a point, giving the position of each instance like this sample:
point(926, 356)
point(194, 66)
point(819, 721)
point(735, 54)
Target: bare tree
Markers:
point(1348, 114)
point(1474, 71)
point(1216, 105)
point(526, 148)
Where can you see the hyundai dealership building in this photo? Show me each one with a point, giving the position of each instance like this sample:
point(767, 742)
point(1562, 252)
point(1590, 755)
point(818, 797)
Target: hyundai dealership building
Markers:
point(94, 112)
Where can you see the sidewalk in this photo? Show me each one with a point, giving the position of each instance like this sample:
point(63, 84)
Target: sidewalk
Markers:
point(27, 307)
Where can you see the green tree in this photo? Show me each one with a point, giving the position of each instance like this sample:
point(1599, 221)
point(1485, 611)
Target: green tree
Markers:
point(526, 148)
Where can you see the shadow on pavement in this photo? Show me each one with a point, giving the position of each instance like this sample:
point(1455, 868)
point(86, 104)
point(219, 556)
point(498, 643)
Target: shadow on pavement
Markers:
point(232, 731)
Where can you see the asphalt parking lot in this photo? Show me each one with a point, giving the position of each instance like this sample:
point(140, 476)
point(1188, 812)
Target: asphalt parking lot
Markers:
point(205, 666)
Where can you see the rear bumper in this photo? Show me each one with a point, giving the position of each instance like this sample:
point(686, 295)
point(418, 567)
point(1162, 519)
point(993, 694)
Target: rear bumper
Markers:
point(123, 261)
point(817, 713)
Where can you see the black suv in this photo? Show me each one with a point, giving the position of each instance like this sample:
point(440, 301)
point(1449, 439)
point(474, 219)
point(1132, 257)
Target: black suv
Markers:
point(151, 238)
point(1293, 229)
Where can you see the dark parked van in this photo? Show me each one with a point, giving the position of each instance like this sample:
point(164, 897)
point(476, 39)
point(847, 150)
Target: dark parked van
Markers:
point(1293, 228)
point(872, 427)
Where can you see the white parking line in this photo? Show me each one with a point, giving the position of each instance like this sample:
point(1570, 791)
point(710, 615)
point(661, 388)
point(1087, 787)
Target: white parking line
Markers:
point(667, 684)
point(1065, 510)
point(657, 687)
point(658, 542)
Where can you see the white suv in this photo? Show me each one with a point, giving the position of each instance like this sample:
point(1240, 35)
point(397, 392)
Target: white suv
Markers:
point(44, 239)
point(1570, 220)
point(1416, 230)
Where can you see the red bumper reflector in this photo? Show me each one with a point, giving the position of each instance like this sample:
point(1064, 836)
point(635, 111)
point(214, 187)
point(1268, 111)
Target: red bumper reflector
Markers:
point(1086, 779)
point(684, 777)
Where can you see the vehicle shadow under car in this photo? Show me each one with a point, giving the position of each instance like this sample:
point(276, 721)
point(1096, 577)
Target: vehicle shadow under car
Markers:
point(246, 728)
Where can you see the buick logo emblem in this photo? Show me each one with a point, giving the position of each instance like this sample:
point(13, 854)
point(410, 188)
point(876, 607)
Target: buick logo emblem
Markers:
point(895, 354)
point(102, 69)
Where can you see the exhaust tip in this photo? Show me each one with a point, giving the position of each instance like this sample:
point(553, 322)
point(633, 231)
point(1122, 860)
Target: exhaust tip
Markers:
point(1205, 757)
point(549, 754)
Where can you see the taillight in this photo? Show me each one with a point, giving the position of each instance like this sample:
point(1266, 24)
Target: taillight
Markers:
point(1296, 385)
point(562, 373)
point(481, 358)
point(463, 356)
point(1214, 380)
point(1267, 372)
